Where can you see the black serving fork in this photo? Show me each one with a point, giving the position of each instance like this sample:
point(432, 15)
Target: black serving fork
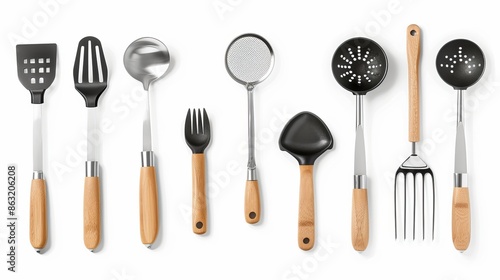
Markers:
point(197, 134)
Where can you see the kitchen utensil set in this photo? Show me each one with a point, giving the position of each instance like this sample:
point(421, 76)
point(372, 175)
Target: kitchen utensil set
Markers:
point(359, 65)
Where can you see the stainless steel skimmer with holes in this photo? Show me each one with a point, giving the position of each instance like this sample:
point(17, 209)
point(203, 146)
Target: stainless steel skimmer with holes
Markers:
point(413, 165)
point(249, 61)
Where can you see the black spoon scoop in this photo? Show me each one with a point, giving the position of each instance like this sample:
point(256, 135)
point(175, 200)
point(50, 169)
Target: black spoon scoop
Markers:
point(359, 65)
point(306, 137)
point(460, 63)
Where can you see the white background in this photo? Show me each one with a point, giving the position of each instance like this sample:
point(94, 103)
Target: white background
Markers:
point(304, 35)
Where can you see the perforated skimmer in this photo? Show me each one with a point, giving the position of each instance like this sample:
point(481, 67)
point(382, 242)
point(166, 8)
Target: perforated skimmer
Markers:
point(249, 61)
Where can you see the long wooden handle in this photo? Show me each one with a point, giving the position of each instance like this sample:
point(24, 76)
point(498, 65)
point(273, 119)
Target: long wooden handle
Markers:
point(199, 196)
point(306, 208)
point(360, 232)
point(148, 205)
point(38, 214)
point(91, 213)
point(413, 53)
point(460, 222)
point(252, 202)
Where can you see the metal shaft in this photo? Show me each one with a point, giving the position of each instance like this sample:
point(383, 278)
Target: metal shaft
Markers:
point(92, 145)
point(37, 139)
point(460, 106)
point(359, 149)
point(251, 166)
point(359, 110)
point(146, 127)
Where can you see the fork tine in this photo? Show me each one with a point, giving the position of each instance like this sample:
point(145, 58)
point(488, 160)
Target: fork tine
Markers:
point(433, 204)
point(200, 128)
point(193, 122)
point(187, 124)
point(206, 123)
point(414, 201)
point(423, 206)
point(405, 208)
point(395, 207)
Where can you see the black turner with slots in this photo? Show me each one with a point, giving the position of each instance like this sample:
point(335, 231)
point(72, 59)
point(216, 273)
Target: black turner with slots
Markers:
point(36, 69)
point(90, 74)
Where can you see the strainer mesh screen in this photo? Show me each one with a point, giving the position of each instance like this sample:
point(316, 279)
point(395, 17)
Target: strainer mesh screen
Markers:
point(249, 59)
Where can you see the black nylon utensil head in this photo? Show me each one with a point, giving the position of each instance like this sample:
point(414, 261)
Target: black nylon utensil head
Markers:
point(90, 72)
point(359, 65)
point(36, 68)
point(305, 137)
point(460, 63)
point(196, 131)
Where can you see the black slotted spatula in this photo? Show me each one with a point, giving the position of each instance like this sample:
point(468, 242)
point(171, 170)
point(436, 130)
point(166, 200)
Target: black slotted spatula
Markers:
point(36, 69)
point(90, 74)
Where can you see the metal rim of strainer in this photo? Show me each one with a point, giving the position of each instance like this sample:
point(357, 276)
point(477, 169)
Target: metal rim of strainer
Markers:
point(271, 65)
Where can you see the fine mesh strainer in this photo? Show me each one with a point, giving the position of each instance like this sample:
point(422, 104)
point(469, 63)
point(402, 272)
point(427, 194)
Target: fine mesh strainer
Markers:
point(249, 61)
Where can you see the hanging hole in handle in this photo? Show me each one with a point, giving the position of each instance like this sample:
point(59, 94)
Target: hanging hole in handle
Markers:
point(413, 32)
point(252, 215)
point(199, 225)
point(306, 240)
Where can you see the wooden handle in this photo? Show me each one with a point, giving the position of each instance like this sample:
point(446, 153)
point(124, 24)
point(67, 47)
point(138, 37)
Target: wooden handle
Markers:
point(199, 197)
point(91, 213)
point(38, 214)
point(252, 202)
point(413, 53)
point(460, 222)
point(148, 205)
point(306, 208)
point(360, 232)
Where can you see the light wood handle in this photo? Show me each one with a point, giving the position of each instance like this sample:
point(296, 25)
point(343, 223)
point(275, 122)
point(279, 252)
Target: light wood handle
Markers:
point(413, 53)
point(460, 221)
point(38, 214)
point(360, 232)
point(252, 202)
point(91, 213)
point(306, 208)
point(148, 205)
point(199, 196)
